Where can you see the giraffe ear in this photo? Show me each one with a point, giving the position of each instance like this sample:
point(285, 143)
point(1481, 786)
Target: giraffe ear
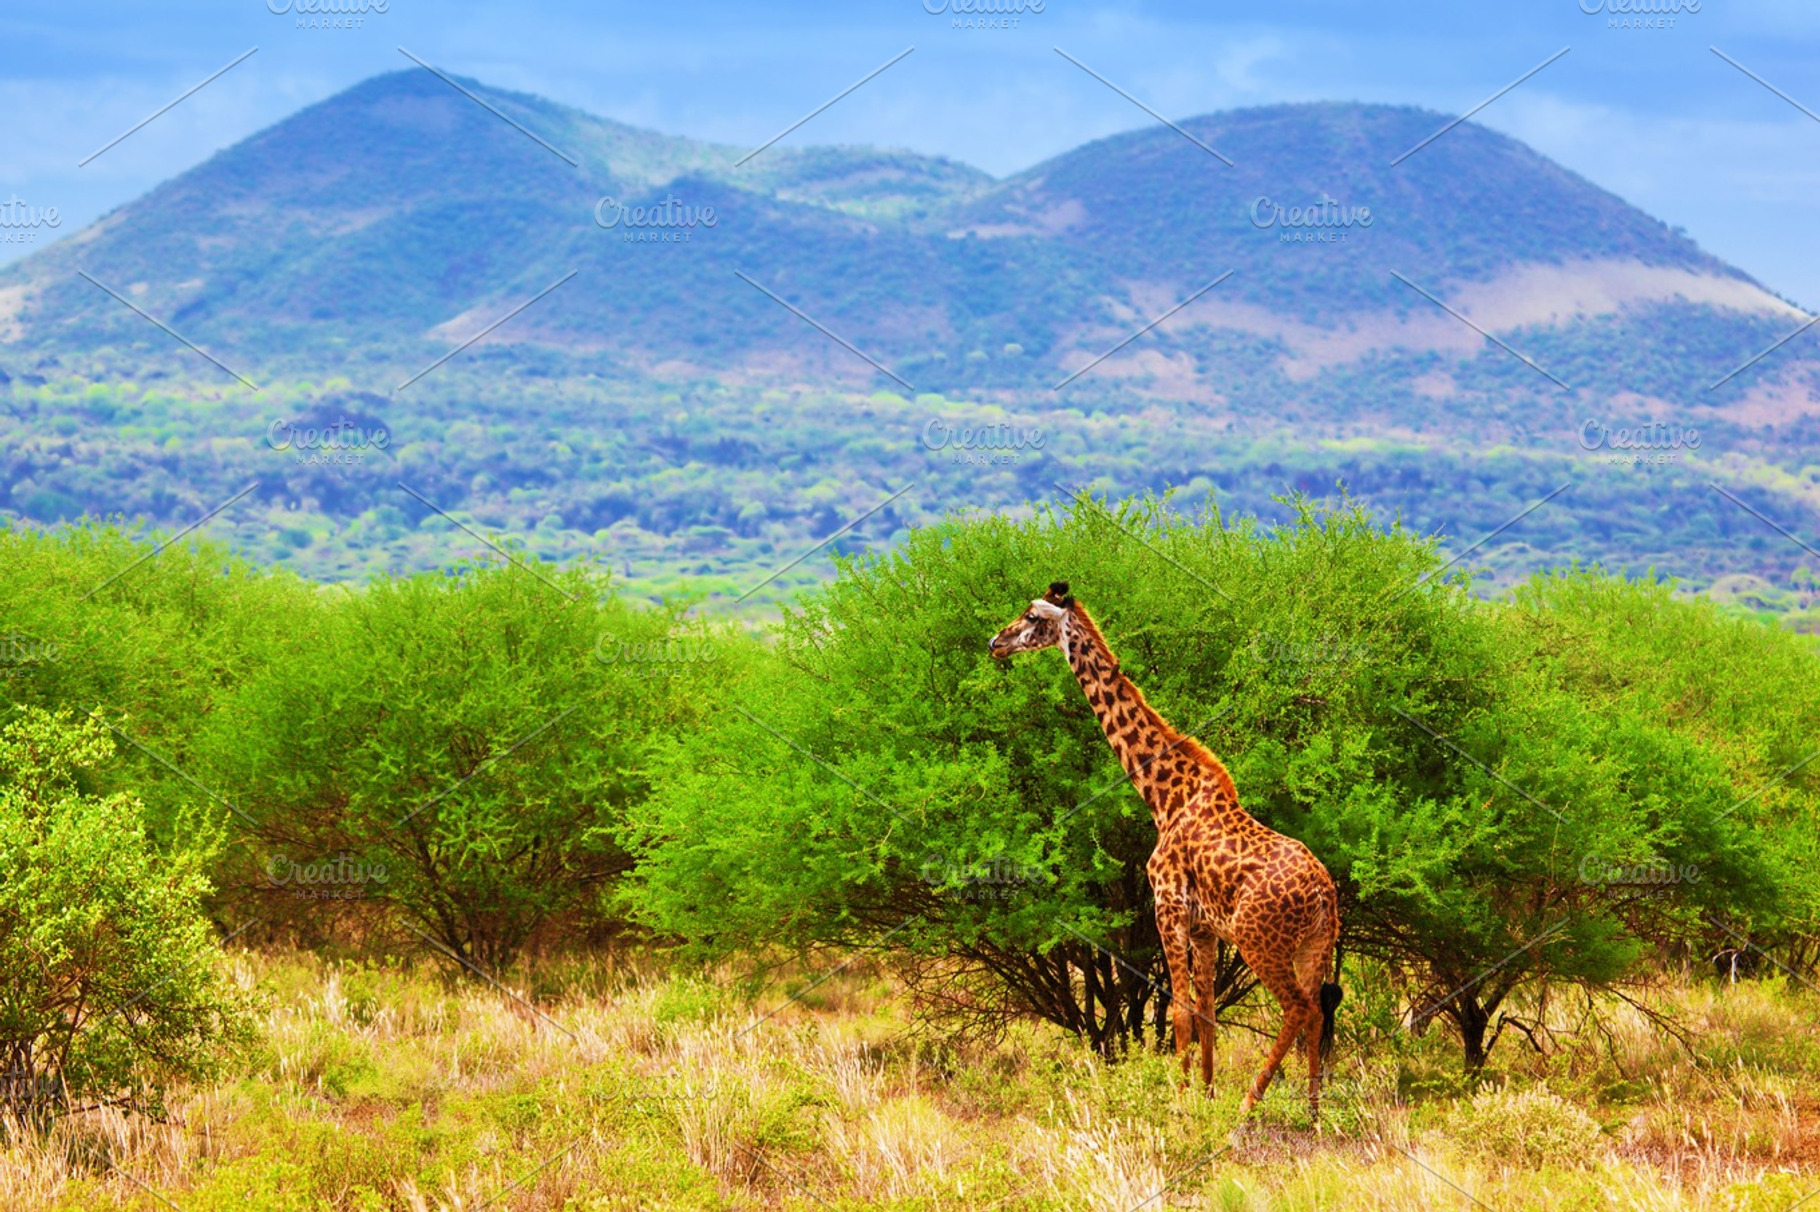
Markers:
point(1058, 594)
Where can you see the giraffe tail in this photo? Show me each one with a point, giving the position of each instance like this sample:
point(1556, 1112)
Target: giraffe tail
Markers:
point(1330, 1001)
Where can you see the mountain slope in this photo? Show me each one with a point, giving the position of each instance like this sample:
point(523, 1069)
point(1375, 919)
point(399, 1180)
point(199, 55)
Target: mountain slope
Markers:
point(400, 211)
point(658, 395)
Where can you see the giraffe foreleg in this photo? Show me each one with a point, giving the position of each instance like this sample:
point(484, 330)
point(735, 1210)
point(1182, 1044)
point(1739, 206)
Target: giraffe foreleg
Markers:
point(1172, 929)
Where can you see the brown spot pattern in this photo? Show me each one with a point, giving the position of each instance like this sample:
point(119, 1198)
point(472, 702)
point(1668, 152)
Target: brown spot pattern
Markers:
point(1216, 872)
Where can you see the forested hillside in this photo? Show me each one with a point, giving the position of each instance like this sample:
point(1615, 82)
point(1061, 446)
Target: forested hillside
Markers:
point(657, 410)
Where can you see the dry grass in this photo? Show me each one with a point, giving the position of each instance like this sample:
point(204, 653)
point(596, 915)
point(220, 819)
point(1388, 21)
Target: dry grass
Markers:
point(407, 1089)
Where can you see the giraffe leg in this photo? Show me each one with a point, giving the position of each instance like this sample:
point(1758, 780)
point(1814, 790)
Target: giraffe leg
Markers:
point(1172, 927)
point(1295, 1017)
point(1311, 1045)
point(1301, 1011)
point(1206, 950)
point(1312, 964)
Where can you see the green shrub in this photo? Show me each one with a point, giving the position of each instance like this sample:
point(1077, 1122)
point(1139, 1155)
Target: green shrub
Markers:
point(113, 986)
point(456, 754)
point(883, 782)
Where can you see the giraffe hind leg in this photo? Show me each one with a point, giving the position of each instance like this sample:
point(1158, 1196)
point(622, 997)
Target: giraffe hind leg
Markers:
point(1312, 965)
point(1294, 1019)
point(1206, 951)
point(1301, 1012)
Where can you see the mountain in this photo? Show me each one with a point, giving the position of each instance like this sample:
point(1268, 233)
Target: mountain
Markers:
point(657, 403)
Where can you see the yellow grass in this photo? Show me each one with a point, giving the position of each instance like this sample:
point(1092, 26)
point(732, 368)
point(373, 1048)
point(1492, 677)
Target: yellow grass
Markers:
point(414, 1089)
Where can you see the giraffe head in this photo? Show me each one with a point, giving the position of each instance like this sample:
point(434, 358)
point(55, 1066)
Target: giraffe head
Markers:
point(1043, 625)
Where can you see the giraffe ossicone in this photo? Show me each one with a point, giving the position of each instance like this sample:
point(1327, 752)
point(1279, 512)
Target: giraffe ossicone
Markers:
point(1217, 872)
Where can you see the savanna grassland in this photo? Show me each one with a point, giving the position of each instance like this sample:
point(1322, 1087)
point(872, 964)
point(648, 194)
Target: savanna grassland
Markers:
point(496, 888)
point(637, 1086)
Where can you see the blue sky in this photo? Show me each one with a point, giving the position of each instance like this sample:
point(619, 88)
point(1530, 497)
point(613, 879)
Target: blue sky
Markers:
point(1652, 114)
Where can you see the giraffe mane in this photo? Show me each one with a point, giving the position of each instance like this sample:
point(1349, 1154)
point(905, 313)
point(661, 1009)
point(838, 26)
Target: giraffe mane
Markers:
point(1181, 741)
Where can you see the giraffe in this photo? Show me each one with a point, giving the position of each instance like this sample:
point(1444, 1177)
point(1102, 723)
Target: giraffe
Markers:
point(1216, 873)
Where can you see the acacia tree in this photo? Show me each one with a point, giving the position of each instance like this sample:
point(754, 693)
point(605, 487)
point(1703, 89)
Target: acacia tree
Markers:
point(453, 751)
point(154, 637)
point(882, 774)
point(1745, 694)
point(113, 988)
point(1531, 883)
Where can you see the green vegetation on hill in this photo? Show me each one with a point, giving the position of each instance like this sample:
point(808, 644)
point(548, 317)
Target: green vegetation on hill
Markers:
point(366, 221)
point(665, 417)
point(713, 487)
point(661, 414)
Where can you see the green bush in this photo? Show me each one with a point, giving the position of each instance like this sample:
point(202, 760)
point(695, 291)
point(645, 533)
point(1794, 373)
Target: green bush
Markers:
point(113, 985)
point(455, 750)
point(154, 637)
point(884, 782)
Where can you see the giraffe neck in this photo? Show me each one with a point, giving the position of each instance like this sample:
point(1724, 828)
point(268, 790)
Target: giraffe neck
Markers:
point(1147, 747)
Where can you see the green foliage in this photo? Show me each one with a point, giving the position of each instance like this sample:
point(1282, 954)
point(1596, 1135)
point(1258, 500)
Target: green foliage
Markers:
point(454, 746)
point(712, 487)
point(100, 618)
point(684, 1000)
point(1575, 786)
point(883, 781)
point(113, 987)
point(1720, 699)
point(458, 747)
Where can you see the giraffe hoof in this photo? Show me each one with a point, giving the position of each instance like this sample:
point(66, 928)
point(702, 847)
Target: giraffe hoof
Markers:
point(1246, 1104)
